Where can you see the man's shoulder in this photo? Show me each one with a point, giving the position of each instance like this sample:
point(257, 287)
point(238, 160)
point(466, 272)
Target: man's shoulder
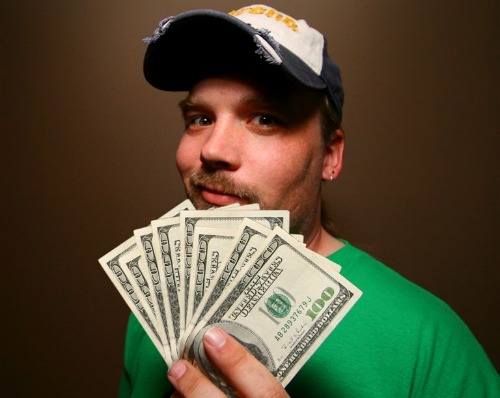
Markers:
point(410, 331)
point(387, 290)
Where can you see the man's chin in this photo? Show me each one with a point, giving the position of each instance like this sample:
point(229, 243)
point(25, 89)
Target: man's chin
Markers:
point(200, 204)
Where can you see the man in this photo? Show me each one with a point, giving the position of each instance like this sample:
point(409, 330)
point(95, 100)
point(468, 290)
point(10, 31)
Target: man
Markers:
point(262, 124)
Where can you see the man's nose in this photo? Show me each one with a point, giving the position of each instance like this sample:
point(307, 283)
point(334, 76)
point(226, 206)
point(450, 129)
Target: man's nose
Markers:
point(222, 149)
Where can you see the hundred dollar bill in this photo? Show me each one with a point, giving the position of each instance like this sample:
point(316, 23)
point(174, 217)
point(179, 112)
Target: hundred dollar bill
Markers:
point(110, 264)
point(174, 212)
point(156, 279)
point(144, 315)
point(157, 275)
point(210, 248)
point(247, 242)
point(230, 219)
point(166, 242)
point(132, 265)
point(237, 206)
point(270, 310)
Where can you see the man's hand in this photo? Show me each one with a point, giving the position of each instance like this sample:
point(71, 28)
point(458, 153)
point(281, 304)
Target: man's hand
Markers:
point(241, 370)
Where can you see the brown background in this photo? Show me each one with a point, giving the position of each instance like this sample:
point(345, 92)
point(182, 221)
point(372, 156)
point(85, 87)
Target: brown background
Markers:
point(87, 151)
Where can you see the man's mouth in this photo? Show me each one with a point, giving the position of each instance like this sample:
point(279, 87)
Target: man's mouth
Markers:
point(218, 197)
point(219, 189)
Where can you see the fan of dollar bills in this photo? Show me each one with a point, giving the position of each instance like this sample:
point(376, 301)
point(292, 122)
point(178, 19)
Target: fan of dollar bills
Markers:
point(236, 267)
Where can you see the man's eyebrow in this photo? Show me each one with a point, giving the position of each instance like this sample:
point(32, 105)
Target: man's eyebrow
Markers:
point(263, 101)
point(190, 102)
point(186, 104)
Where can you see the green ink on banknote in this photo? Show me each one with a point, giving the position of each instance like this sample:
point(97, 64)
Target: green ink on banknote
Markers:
point(278, 305)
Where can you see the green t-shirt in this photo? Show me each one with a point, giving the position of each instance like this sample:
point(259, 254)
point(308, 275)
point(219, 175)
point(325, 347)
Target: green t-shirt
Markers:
point(397, 341)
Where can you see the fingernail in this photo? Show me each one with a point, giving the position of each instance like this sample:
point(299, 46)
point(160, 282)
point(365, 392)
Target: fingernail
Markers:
point(177, 370)
point(215, 337)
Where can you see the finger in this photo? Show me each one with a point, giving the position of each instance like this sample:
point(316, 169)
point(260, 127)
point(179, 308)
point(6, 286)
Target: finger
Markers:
point(190, 382)
point(240, 368)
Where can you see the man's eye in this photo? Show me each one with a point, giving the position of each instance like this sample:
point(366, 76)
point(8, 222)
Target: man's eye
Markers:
point(265, 120)
point(199, 121)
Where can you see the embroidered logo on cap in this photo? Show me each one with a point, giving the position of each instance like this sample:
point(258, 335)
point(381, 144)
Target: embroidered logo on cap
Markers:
point(296, 35)
point(270, 13)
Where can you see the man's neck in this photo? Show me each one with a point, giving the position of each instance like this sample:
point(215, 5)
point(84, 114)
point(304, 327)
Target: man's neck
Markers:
point(323, 243)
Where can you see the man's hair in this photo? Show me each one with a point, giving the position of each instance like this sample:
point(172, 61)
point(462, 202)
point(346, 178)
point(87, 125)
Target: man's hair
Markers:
point(330, 123)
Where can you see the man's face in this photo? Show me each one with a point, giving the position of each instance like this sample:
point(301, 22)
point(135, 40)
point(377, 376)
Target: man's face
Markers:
point(244, 144)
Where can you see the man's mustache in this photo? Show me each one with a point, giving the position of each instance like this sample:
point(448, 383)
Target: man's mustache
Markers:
point(223, 183)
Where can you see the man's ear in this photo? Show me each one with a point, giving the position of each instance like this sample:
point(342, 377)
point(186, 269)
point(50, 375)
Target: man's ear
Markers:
point(334, 153)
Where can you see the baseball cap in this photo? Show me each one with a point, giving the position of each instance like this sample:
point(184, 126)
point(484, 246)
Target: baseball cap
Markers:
point(201, 43)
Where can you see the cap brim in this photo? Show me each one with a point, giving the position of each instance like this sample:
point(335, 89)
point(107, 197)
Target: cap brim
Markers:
point(203, 43)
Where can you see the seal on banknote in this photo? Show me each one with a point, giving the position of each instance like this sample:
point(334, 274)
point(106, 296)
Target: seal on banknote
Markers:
point(278, 305)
